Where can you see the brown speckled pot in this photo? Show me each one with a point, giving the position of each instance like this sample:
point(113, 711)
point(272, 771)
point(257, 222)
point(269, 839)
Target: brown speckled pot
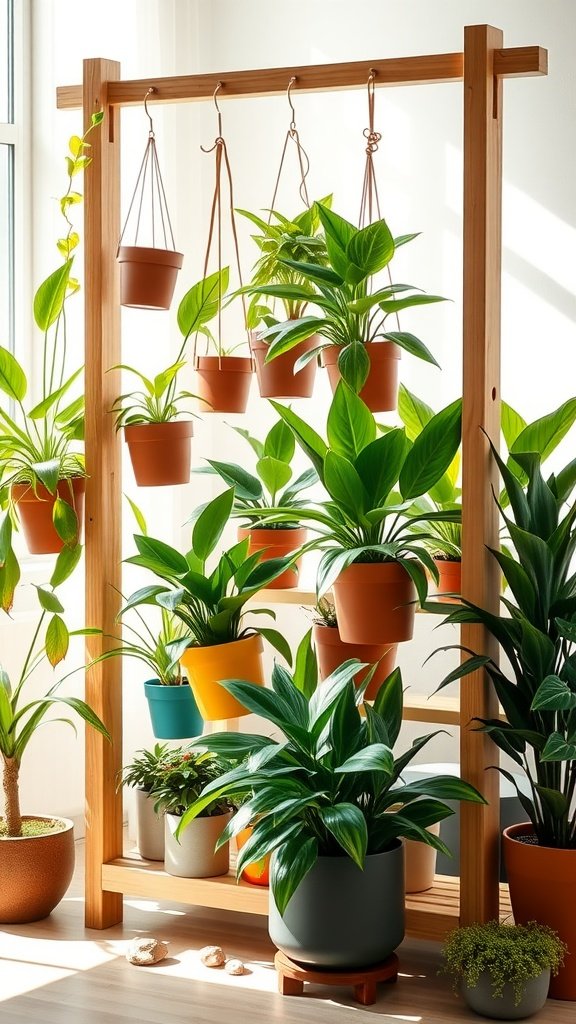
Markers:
point(36, 872)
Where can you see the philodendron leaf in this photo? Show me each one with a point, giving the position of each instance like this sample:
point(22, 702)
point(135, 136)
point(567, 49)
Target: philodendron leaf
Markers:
point(49, 298)
point(557, 748)
point(12, 377)
point(553, 694)
point(57, 640)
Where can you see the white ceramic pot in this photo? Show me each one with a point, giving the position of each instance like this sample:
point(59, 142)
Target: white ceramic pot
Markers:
point(193, 856)
point(149, 827)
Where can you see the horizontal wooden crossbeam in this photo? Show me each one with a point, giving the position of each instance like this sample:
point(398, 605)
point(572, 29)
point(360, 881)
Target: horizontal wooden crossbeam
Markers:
point(514, 62)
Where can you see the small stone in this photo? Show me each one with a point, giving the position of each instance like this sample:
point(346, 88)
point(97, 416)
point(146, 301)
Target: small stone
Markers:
point(145, 951)
point(234, 967)
point(212, 956)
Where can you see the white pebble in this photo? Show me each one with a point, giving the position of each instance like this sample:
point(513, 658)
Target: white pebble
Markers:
point(212, 956)
point(234, 967)
point(145, 951)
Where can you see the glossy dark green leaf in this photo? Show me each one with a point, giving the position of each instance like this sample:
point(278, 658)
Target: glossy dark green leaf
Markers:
point(354, 365)
point(432, 452)
point(350, 425)
point(209, 526)
point(348, 826)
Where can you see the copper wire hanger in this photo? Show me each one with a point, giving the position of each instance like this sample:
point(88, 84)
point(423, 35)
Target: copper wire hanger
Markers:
point(303, 161)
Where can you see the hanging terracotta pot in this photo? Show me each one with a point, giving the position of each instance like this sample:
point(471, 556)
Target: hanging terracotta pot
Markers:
point(542, 884)
point(148, 276)
point(380, 392)
point(276, 544)
point(35, 871)
point(160, 452)
point(259, 872)
point(375, 603)
point(206, 666)
point(277, 379)
point(223, 383)
point(331, 652)
point(450, 581)
point(35, 512)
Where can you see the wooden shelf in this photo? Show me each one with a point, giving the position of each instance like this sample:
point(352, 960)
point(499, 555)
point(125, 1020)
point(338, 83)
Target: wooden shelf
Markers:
point(437, 710)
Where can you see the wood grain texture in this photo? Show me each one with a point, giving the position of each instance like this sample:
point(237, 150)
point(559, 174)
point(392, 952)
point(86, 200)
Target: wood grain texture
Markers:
point(103, 488)
point(420, 70)
point(480, 417)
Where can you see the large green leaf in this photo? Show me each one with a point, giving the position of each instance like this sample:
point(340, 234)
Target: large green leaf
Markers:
point(338, 233)
point(351, 425)
point(310, 442)
point(388, 704)
point(348, 826)
point(57, 640)
point(545, 434)
point(306, 666)
point(50, 297)
point(379, 463)
point(65, 522)
point(369, 250)
point(49, 601)
point(432, 452)
point(354, 365)
point(210, 524)
point(396, 305)
point(12, 377)
point(374, 758)
point(274, 474)
point(9, 579)
point(410, 343)
point(40, 410)
point(413, 412)
point(279, 442)
point(291, 863)
point(244, 483)
point(160, 557)
point(558, 749)
point(345, 486)
point(200, 303)
point(553, 694)
point(512, 423)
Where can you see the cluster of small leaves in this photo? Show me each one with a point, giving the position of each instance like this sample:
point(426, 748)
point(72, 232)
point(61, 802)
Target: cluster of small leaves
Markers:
point(181, 775)
point(157, 403)
point(325, 613)
point(510, 954)
point(144, 770)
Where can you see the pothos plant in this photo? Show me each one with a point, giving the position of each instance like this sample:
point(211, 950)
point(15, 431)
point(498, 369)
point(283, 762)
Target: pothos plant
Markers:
point(37, 443)
point(21, 713)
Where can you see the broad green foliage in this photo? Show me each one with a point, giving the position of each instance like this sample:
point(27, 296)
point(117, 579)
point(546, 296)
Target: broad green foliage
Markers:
point(201, 304)
point(538, 637)
point(331, 785)
point(340, 287)
point(157, 402)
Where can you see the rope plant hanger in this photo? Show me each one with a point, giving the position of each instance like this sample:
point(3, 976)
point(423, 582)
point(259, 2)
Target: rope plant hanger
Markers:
point(223, 380)
point(148, 273)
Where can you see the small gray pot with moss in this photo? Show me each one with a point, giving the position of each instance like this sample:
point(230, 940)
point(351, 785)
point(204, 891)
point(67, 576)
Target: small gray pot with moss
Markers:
point(502, 970)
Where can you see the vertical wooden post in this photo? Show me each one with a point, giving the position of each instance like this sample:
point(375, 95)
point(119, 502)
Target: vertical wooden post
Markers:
point(103, 489)
point(481, 412)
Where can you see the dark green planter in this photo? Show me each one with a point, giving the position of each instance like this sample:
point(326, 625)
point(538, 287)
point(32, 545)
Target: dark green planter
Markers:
point(173, 711)
point(481, 1000)
point(343, 917)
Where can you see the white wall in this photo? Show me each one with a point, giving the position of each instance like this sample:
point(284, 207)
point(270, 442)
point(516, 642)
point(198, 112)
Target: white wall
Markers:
point(419, 167)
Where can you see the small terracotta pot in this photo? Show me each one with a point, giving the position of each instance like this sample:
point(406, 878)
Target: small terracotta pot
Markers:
point(277, 379)
point(259, 872)
point(160, 452)
point(542, 884)
point(276, 544)
point(331, 652)
point(36, 872)
point(148, 276)
point(35, 513)
point(420, 863)
point(223, 383)
point(450, 582)
point(206, 666)
point(380, 392)
point(375, 603)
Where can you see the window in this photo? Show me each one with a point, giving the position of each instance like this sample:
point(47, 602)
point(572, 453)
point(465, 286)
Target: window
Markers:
point(7, 148)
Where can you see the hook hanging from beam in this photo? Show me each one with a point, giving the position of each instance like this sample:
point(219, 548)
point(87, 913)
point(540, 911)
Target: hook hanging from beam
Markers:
point(148, 114)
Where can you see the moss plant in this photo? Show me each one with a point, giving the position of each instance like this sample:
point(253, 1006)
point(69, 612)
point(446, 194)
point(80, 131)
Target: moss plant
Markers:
point(511, 954)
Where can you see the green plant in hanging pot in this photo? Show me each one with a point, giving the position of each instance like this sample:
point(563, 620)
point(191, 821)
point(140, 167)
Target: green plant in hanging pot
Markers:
point(503, 970)
point(537, 691)
point(159, 442)
point(42, 476)
point(279, 239)
point(212, 604)
point(372, 538)
point(36, 852)
point(356, 342)
point(326, 799)
point(222, 379)
point(271, 485)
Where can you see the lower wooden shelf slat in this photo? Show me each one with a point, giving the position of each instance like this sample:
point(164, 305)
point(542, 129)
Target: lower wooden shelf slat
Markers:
point(429, 915)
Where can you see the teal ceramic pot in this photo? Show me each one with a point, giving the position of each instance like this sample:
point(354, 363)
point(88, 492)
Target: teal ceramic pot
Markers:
point(173, 711)
point(342, 917)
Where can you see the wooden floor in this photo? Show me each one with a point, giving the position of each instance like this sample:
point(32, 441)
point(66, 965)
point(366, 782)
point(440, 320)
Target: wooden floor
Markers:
point(57, 972)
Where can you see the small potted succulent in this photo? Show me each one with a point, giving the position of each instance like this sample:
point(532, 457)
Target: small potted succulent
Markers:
point(332, 652)
point(272, 486)
point(503, 970)
point(182, 775)
point(355, 342)
point(279, 239)
point(222, 379)
point(158, 441)
point(143, 775)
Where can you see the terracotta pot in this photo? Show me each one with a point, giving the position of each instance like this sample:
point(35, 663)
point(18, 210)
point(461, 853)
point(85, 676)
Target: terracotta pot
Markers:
point(380, 392)
point(205, 666)
point(375, 603)
point(331, 652)
point(148, 276)
point(259, 872)
point(36, 872)
point(420, 863)
point(193, 854)
point(277, 379)
point(450, 582)
point(35, 513)
point(276, 544)
point(223, 384)
point(542, 884)
point(160, 452)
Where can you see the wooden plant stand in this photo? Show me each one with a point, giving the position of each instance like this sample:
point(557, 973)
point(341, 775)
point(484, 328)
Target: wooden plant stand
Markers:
point(292, 977)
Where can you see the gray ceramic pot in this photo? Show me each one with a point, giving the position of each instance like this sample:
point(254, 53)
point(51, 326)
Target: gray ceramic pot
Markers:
point(149, 827)
point(481, 1000)
point(193, 856)
point(341, 916)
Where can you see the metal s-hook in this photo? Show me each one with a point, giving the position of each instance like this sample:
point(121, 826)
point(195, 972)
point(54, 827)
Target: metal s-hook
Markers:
point(148, 115)
point(292, 82)
point(369, 133)
point(218, 111)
